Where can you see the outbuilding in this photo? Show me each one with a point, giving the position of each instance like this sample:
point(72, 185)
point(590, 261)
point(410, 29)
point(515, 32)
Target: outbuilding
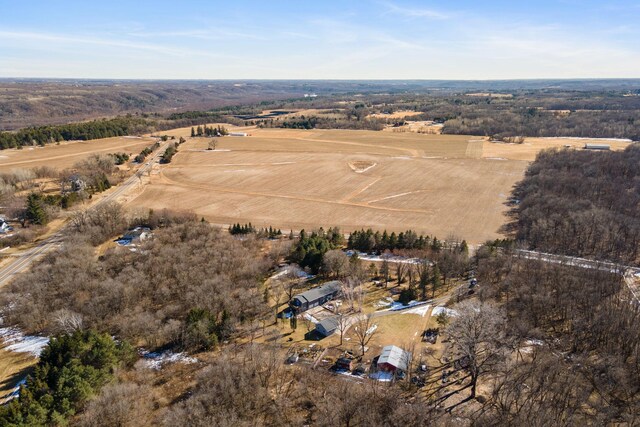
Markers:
point(393, 359)
point(327, 326)
point(602, 147)
point(315, 296)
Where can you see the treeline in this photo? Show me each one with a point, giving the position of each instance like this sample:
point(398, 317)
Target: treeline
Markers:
point(145, 152)
point(320, 122)
point(71, 370)
point(581, 203)
point(577, 341)
point(209, 131)
point(370, 241)
point(309, 250)
point(171, 151)
point(268, 233)
point(146, 297)
point(105, 128)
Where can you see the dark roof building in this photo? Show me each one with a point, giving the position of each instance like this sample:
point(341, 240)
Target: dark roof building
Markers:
point(315, 296)
point(327, 326)
point(597, 147)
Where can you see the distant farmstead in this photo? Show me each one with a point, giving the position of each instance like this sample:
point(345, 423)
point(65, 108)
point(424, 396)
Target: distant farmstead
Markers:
point(602, 147)
point(315, 296)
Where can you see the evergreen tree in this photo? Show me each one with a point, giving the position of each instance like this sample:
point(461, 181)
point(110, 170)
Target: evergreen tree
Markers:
point(35, 212)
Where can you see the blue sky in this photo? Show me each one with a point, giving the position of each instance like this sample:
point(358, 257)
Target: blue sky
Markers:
point(395, 39)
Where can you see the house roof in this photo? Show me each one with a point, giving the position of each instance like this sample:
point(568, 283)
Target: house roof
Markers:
point(394, 356)
point(320, 291)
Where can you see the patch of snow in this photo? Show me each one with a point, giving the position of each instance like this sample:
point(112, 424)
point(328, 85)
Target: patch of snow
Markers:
point(379, 258)
point(383, 376)
point(366, 169)
point(310, 318)
point(156, 360)
point(420, 310)
point(495, 158)
point(284, 270)
point(386, 302)
point(402, 158)
point(371, 330)
point(440, 309)
point(132, 137)
point(16, 341)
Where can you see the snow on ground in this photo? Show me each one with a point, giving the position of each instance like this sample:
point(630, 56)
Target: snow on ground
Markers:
point(155, 360)
point(440, 309)
point(18, 342)
point(371, 330)
point(382, 376)
point(390, 258)
point(420, 310)
point(284, 270)
point(386, 302)
point(397, 306)
point(310, 318)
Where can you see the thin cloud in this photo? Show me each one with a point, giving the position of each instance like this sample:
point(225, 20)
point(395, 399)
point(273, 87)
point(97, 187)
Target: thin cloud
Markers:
point(93, 41)
point(414, 12)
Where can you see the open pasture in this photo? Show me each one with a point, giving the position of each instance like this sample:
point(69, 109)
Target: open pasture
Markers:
point(295, 179)
point(66, 154)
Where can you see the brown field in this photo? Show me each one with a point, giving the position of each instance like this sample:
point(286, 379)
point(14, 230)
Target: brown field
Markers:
point(295, 179)
point(66, 154)
point(532, 146)
point(395, 115)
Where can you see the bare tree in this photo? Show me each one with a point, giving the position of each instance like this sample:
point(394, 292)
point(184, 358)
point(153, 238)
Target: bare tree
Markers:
point(335, 263)
point(385, 270)
point(423, 269)
point(364, 330)
point(401, 270)
point(476, 332)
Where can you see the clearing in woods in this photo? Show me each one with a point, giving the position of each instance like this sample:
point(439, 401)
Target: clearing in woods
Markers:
point(293, 179)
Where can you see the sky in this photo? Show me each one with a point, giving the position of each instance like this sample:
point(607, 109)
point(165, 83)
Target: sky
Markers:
point(327, 39)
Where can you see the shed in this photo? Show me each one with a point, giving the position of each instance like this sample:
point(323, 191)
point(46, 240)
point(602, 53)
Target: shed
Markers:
point(393, 358)
point(238, 134)
point(603, 147)
point(315, 296)
point(344, 364)
point(327, 326)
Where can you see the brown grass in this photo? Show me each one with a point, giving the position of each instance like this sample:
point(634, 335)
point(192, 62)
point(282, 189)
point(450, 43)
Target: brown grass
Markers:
point(532, 146)
point(66, 154)
point(304, 179)
point(13, 368)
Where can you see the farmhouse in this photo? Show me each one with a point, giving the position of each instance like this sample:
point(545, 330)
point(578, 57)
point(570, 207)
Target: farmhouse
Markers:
point(238, 134)
point(392, 359)
point(315, 296)
point(603, 147)
point(327, 326)
point(134, 236)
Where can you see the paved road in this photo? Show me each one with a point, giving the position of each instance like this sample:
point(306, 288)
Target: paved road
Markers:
point(22, 261)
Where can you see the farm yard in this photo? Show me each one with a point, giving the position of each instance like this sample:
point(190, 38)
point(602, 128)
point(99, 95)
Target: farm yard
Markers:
point(295, 179)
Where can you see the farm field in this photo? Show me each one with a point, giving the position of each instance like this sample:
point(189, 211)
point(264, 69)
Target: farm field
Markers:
point(66, 154)
point(295, 179)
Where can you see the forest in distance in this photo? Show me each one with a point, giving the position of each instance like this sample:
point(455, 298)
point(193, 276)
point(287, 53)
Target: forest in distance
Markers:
point(591, 108)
